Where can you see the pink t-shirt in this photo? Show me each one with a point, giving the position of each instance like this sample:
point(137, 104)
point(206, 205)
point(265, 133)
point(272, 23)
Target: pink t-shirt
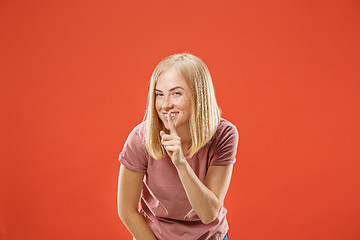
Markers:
point(163, 201)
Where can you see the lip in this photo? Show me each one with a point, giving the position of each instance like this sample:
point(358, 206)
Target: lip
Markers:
point(166, 115)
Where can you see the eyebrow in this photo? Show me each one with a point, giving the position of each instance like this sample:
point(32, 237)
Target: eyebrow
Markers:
point(172, 89)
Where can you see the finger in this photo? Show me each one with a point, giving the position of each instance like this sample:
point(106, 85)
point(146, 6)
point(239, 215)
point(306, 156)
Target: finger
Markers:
point(171, 143)
point(164, 137)
point(172, 125)
point(167, 140)
point(162, 133)
point(172, 149)
point(167, 137)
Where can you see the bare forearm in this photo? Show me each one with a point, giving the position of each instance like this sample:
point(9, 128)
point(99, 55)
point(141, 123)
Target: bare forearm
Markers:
point(203, 200)
point(137, 226)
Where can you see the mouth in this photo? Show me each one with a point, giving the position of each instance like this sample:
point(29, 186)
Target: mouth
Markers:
point(173, 115)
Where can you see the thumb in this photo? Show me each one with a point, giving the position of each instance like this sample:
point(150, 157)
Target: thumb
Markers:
point(162, 133)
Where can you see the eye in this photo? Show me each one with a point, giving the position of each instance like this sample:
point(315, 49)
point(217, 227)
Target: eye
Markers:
point(158, 94)
point(177, 93)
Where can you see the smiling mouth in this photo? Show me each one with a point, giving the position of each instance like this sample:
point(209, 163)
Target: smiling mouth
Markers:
point(173, 115)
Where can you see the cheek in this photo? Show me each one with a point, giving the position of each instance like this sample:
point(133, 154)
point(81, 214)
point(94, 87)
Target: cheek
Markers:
point(186, 106)
point(157, 105)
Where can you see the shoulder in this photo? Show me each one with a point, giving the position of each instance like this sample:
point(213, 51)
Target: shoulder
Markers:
point(224, 145)
point(226, 124)
point(140, 128)
point(136, 138)
point(226, 129)
point(226, 136)
point(134, 155)
point(138, 132)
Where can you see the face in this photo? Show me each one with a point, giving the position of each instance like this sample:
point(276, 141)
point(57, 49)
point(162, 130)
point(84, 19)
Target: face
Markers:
point(172, 94)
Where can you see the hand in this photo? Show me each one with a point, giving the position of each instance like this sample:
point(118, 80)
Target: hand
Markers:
point(172, 143)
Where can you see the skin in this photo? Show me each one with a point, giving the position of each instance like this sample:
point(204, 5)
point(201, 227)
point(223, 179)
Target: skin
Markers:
point(205, 198)
point(172, 94)
point(129, 189)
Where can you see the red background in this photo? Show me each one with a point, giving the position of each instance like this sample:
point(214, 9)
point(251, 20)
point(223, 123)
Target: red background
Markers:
point(74, 77)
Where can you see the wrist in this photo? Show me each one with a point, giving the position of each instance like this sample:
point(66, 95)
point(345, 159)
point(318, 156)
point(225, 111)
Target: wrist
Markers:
point(182, 164)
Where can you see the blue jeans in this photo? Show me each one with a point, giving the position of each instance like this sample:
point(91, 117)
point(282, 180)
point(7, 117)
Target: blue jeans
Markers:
point(226, 237)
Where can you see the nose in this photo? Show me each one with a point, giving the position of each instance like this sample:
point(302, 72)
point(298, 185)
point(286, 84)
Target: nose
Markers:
point(167, 104)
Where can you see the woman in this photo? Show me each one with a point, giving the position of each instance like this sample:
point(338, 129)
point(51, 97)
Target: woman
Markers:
point(179, 160)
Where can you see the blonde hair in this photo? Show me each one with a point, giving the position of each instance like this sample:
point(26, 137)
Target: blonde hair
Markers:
point(205, 114)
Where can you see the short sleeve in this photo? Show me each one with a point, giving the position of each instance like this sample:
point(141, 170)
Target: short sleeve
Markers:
point(225, 145)
point(134, 155)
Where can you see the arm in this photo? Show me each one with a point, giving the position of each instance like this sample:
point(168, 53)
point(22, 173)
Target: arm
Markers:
point(206, 199)
point(129, 189)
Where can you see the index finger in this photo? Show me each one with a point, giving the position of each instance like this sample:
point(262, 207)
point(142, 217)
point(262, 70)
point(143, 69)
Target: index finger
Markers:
point(172, 125)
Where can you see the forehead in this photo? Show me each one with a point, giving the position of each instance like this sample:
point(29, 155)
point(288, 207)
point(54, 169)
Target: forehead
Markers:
point(171, 78)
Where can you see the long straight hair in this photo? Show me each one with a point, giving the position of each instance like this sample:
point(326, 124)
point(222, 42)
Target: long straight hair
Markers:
point(205, 114)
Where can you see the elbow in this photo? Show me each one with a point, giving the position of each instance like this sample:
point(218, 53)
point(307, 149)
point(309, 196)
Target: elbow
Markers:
point(123, 213)
point(211, 215)
point(209, 219)
point(124, 216)
point(126, 213)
